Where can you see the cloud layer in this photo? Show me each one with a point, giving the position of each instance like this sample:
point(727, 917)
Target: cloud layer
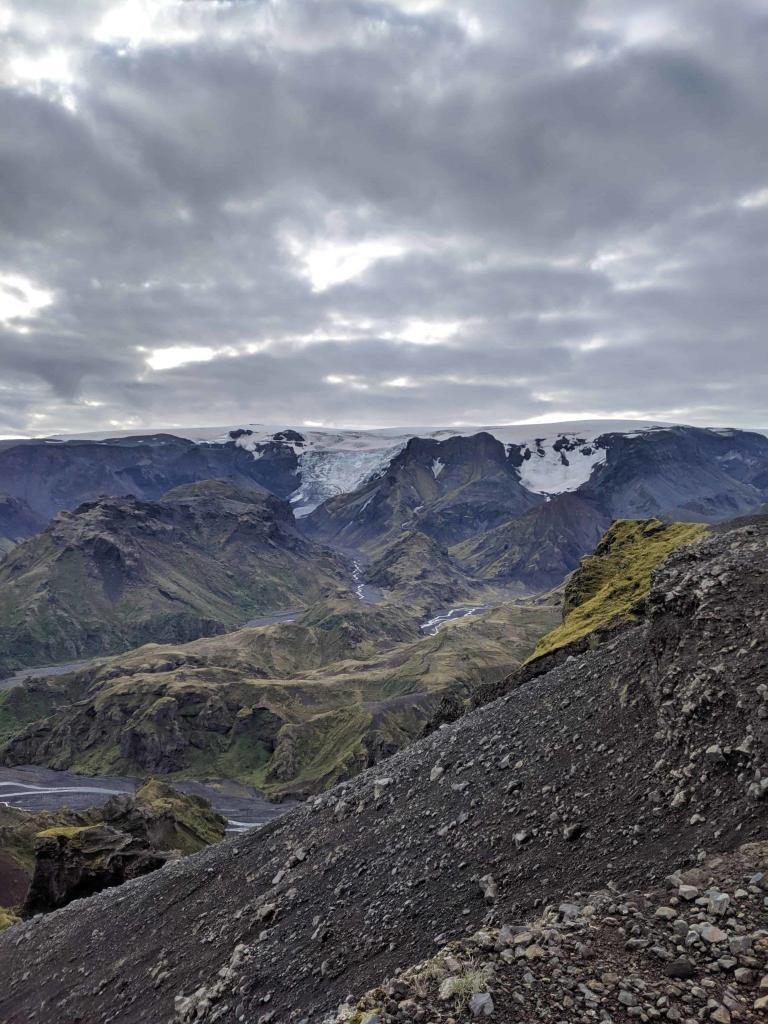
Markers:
point(373, 213)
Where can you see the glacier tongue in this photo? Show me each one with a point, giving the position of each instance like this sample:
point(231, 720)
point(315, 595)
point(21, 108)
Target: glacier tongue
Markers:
point(327, 473)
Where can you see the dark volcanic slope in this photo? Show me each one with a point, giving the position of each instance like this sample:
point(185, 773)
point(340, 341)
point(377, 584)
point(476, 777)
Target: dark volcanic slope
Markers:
point(540, 548)
point(450, 489)
point(681, 473)
point(49, 476)
point(618, 765)
point(118, 572)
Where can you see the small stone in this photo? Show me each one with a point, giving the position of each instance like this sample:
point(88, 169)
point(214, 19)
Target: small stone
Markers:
point(490, 890)
point(666, 913)
point(379, 786)
point(534, 952)
point(688, 892)
point(436, 772)
point(720, 1015)
point(680, 968)
point(572, 832)
point(718, 904)
point(711, 933)
point(481, 1004)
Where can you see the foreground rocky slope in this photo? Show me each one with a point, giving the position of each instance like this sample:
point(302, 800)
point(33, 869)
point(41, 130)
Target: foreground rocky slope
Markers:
point(617, 766)
point(118, 572)
point(693, 948)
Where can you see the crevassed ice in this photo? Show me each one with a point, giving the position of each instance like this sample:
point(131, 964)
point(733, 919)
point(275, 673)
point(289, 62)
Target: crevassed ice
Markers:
point(327, 473)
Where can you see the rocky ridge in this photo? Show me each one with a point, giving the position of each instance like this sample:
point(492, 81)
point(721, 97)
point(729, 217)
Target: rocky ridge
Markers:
point(120, 571)
point(618, 766)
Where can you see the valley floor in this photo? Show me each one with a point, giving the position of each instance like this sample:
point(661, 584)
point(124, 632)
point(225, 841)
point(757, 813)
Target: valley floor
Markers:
point(42, 789)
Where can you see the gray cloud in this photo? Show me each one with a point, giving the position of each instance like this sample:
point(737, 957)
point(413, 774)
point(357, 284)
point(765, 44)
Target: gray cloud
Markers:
point(382, 212)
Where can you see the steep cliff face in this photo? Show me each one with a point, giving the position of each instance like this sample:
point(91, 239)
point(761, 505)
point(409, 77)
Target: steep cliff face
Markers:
point(17, 521)
point(118, 572)
point(612, 769)
point(449, 489)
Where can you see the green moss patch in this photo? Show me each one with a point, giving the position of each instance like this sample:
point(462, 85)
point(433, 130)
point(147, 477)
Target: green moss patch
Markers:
point(609, 585)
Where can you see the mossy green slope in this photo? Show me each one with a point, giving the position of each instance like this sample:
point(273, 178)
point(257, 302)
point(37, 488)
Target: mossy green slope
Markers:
point(610, 584)
point(240, 707)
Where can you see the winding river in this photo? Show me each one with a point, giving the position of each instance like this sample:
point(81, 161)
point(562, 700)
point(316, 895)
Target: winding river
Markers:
point(432, 626)
point(43, 789)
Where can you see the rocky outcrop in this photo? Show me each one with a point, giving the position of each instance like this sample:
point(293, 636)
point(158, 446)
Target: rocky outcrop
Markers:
point(74, 861)
point(610, 772)
point(49, 859)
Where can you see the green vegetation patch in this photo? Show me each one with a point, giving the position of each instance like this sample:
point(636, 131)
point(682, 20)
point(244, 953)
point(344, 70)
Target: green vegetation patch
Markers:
point(610, 584)
point(7, 918)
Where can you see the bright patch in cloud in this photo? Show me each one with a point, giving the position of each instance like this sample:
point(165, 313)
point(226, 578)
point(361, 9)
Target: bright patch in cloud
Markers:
point(350, 380)
point(428, 332)
point(137, 22)
point(178, 355)
point(330, 263)
point(21, 298)
point(754, 200)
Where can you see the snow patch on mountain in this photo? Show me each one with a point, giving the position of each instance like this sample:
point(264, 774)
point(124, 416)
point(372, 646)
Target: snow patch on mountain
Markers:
point(437, 467)
point(562, 462)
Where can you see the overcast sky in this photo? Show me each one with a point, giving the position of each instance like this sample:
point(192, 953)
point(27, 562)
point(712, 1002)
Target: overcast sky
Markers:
point(363, 213)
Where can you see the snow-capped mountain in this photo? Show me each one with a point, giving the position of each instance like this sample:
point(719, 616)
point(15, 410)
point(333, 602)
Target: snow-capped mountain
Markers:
point(516, 500)
point(556, 457)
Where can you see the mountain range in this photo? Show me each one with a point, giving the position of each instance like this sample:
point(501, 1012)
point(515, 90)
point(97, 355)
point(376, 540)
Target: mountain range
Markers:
point(500, 509)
